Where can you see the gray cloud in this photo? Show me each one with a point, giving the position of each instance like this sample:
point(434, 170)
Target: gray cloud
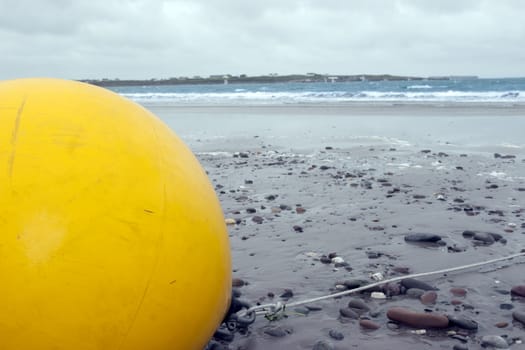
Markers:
point(147, 38)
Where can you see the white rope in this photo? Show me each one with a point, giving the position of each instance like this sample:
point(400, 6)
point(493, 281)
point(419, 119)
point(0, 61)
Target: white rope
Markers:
point(272, 309)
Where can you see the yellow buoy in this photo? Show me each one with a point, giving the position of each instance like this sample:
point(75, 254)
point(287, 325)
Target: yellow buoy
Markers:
point(111, 236)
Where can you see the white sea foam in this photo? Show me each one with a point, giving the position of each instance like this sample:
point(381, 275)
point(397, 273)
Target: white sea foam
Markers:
point(419, 87)
point(242, 96)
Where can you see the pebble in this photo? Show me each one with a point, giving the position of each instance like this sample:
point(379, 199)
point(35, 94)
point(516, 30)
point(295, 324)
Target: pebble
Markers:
point(413, 283)
point(494, 341)
point(422, 237)
point(257, 219)
point(415, 293)
point(484, 237)
point(323, 345)
point(348, 313)
point(460, 347)
point(298, 228)
point(519, 316)
point(463, 323)
point(358, 305)
point(288, 293)
point(300, 210)
point(458, 292)
point(417, 319)
point(314, 307)
point(336, 334)
point(428, 298)
point(369, 324)
point(501, 324)
point(337, 260)
point(518, 290)
point(277, 331)
point(506, 306)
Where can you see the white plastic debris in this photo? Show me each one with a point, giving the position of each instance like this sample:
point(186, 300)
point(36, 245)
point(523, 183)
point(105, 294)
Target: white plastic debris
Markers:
point(337, 260)
point(378, 276)
point(419, 331)
point(378, 295)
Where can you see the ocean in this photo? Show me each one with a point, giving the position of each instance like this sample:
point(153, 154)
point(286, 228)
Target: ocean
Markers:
point(507, 91)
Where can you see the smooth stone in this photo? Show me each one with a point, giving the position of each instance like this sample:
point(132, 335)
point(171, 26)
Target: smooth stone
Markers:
point(358, 305)
point(428, 298)
point(494, 341)
point(413, 283)
point(501, 324)
point(417, 319)
point(288, 293)
point(460, 347)
point(348, 313)
point(336, 334)
point(368, 324)
point(257, 219)
point(323, 345)
point(463, 323)
point(484, 237)
point(422, 237)
point(415, 293)
point(351, 284)
point(519, 316)
point(506, 306)
point(278, 332)
point(518, 290)
point(458, 292)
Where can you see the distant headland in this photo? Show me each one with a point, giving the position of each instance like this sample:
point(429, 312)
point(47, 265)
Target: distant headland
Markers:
point(266, 79)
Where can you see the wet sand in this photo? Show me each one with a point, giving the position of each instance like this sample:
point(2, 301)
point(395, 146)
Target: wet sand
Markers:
point(302, 183)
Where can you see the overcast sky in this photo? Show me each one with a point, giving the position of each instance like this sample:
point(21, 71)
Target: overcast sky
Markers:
point(156, 39)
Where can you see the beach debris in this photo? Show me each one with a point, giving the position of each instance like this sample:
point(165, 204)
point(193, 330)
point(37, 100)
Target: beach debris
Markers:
point(230, 221)
point(377, 276)
point(378, 295)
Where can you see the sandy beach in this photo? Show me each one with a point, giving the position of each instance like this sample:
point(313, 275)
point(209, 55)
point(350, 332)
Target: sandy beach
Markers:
point(354, 181)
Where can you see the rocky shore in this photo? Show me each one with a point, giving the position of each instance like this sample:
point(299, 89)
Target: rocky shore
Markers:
point(308, 224)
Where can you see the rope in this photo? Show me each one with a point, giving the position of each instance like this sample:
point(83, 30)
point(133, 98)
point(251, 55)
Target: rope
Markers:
point(273, 309)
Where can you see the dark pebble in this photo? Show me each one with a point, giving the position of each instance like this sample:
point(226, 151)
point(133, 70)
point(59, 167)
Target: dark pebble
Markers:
point(325, 259)
point(519, 316)
point(460, 347)
point(417, 319)
point(373, 255)
point(413, 283)
point(422, 237)
point(518, 290)
point(351, 284)
point(348, 313)
point(288, 293)
point(506, 306)
point(468, 234)
point(463, 323)
point(251, 210)
point(257, 219)
point(297, 228)
point(323, 345)
point(368, 324)
point(270, 197)
point(359, 306)
point(484, 237)
point(336, 334)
